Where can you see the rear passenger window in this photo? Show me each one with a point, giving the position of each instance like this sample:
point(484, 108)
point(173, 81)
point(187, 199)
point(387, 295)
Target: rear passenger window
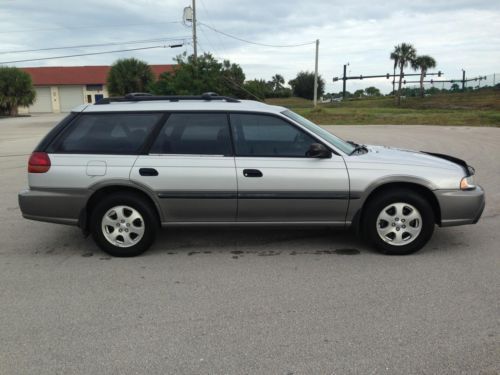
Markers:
point(119, 133)
point(195, 134)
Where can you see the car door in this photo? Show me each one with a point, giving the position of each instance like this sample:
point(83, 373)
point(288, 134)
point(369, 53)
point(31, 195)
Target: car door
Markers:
point(190, 167)
point(277, 181)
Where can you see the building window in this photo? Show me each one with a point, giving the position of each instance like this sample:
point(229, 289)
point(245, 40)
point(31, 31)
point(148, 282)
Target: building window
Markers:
point(89, 98)
point(94, 87)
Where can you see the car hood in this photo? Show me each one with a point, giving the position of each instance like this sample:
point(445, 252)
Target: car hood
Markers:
point(391, 155)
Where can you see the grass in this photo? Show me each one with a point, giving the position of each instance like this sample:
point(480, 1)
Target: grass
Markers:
point(479, 108)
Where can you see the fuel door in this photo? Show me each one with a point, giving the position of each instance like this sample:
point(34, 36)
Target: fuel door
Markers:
point(96, 168)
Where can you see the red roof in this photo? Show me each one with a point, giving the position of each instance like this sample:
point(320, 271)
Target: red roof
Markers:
point(79, 75)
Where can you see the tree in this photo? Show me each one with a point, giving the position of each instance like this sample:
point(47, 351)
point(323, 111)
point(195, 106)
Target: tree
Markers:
point(129, 75)
point(404, 53)
point(234, 80)
point(303, 85)
point(455, 87)
point(276, 88)
point(432, 91)
point(277, 82)
point(423, 63)
point(16, 89)
point(359, 93)
point(372, 91)
point(205, 75)
point(258, 89)
point(394, 56)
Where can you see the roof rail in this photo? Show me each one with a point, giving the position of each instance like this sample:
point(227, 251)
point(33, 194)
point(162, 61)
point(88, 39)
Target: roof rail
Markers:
point(146, 97)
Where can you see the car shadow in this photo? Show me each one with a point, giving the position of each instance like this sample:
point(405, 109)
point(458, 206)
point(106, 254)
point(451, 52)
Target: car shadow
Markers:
point(238, 241)
point(262, 241)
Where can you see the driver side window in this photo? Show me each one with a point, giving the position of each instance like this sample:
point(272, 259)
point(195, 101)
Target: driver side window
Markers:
point(265, 135)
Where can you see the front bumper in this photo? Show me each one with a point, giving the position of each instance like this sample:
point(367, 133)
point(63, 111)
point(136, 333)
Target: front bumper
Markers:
point(62, 206)
point(460, 207)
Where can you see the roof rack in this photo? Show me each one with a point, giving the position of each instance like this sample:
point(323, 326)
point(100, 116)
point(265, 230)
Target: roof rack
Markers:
point(146, 97)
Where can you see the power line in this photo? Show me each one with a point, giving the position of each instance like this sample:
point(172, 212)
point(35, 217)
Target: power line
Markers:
point(181, 38)
point(87, 27)
point(258, 44)
point(231, 81)
point(91, 53)
point(219, 38)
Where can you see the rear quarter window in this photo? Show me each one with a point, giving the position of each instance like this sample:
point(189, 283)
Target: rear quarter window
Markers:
point(119, 133)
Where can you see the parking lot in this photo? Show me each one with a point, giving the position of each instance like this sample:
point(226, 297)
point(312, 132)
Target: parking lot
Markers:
point(252, 301)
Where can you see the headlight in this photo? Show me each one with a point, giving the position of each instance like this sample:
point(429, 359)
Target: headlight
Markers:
point(467, 183)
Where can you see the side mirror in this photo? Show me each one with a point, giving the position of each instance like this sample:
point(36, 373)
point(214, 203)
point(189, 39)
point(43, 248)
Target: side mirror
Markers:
point(317, 150)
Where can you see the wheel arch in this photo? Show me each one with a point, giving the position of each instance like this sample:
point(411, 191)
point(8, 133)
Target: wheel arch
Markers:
point(102, 190)
point(422, 188)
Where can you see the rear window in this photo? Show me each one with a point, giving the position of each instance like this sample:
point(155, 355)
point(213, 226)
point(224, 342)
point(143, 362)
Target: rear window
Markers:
point(118, 133)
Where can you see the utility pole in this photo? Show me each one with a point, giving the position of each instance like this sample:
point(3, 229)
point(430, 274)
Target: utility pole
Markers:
point(344, 80)
point(463, 80)
point(315, 74)
point(195, 50)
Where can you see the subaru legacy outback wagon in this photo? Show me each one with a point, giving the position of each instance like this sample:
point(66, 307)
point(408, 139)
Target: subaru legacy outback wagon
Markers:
point(124, 167)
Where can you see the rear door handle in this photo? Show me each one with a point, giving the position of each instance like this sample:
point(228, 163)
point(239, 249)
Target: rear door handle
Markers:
point(252, 173)
point(148, 172)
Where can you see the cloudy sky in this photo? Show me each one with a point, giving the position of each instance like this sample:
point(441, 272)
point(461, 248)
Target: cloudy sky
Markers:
point(457, 33)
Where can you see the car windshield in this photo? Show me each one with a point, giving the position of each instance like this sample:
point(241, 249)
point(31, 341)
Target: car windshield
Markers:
point(326, 135)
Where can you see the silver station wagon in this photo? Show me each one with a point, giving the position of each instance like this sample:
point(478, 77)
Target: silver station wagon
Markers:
point(124, 167)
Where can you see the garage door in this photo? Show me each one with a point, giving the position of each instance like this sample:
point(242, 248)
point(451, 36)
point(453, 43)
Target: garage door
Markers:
point(43, 101)
point(70, 97)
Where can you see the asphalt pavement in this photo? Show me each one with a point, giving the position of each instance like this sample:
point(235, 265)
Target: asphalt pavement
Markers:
point(252, 300)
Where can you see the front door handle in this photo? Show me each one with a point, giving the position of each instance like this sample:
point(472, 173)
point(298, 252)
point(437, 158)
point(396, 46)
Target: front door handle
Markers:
point(148, 172)
point(252, 173)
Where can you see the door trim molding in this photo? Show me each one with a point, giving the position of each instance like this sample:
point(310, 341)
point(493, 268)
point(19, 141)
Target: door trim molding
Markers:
point(209, 194)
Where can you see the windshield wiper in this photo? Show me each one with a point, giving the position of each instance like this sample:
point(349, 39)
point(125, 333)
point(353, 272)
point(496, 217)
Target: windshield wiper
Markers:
point(357, 148)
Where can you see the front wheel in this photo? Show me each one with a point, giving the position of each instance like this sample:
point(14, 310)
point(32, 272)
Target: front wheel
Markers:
point(398, 223)
point(123, 225)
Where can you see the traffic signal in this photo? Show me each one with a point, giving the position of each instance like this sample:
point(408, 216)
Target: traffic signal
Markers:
point(439, 74)
point(387, 75)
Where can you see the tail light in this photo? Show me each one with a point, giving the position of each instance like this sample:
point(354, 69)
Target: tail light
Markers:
point(39, 162)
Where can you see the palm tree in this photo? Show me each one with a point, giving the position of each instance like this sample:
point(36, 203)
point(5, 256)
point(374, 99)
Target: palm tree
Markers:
point(129, 75)
point(277, 82)
point(394, 56)
point(405, 53)
point(423, 63)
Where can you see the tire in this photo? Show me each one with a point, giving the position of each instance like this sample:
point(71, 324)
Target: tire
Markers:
point(124, 224)
point(398, 222)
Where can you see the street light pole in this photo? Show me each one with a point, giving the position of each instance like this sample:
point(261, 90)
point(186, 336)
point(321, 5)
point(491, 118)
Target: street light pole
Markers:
point(195, 50)
point(315, 74)
point(344, 81)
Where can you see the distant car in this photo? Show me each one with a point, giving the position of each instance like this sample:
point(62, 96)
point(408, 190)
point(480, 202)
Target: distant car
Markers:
point(123, 167)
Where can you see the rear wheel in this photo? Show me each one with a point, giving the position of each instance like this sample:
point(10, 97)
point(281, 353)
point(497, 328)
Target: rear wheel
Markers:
point(123, 225)
point(399, 222)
